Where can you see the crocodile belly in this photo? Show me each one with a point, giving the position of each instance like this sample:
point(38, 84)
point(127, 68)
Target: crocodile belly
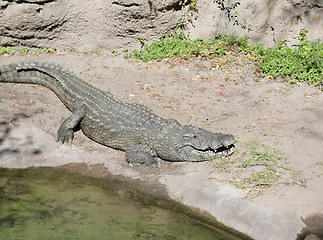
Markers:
point(110, 136)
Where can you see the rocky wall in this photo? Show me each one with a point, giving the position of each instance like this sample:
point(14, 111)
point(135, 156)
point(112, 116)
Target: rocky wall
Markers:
point(86, 24)
point(264, 21)
point(120, 24)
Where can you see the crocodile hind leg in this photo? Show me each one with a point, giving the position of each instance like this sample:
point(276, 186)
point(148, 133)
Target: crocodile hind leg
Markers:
point(141, 155)
point(65, 132)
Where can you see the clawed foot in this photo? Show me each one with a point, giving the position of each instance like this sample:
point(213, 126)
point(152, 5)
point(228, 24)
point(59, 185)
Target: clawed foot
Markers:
point(141, 158)
point(64, 135)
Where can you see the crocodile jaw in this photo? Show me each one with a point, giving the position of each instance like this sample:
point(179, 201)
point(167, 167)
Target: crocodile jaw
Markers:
point(191, 154)
point(210, 153)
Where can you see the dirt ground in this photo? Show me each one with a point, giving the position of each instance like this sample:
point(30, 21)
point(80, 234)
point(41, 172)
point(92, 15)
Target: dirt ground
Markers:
point(229, 98)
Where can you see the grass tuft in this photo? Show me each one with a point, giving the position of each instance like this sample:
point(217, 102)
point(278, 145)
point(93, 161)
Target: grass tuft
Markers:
point(255, 167)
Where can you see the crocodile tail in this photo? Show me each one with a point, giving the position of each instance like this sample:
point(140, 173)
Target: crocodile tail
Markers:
point(9, 73)
point(49, 75)
point(26, 72)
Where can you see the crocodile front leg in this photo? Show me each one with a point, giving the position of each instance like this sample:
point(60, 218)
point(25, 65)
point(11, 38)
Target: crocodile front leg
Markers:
point(65, 132)
point(141, 155)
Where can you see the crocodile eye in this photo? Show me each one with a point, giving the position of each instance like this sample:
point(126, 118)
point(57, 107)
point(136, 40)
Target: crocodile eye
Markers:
point(194, 136)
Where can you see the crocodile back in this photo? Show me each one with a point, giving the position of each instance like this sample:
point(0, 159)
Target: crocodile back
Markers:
point(72, 90)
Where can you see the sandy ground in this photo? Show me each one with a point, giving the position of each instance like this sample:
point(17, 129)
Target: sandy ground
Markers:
point(232, 99)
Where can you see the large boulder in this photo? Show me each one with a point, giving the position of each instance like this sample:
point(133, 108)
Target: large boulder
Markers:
point(263, 21)
point(86, 24)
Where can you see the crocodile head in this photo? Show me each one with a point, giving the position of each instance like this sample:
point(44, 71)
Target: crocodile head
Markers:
point(196, 144)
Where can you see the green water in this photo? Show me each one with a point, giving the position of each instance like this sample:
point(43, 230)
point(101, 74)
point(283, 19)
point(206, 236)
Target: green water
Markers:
point(56, 207)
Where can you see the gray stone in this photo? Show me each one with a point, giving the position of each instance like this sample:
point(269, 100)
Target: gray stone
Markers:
point(86, 24)
point(111, 24)
point(263, 21)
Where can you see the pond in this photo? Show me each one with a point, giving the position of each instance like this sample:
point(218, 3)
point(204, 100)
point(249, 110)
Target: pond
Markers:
point(47, 204)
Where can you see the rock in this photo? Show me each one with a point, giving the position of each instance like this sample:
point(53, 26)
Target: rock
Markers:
point(263, 21)
point(109, 24)
point(86, 24)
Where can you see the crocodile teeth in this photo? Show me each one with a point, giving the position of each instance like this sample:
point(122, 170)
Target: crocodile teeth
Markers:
point(222, 151)
point(225, 151)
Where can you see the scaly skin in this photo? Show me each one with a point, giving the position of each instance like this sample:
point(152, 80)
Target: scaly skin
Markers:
point(129, 127)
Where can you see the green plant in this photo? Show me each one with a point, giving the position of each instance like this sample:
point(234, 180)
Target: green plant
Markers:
point(262, 178)
point(272, 164)
point(320, 165)
point(74, 50)
point(142, 42)
point(23, 51)
point(254, 167)
point(224, 163)
point(96, 51)
point(193, 5)
point(36, 53)
point(178, 45)
point(6, 50)
point(85, 51)
point(115, 52)
point(49, 50)
point(303, 63)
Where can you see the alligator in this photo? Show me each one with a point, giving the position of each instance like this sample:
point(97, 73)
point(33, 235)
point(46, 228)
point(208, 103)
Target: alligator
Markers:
point(125, 126)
